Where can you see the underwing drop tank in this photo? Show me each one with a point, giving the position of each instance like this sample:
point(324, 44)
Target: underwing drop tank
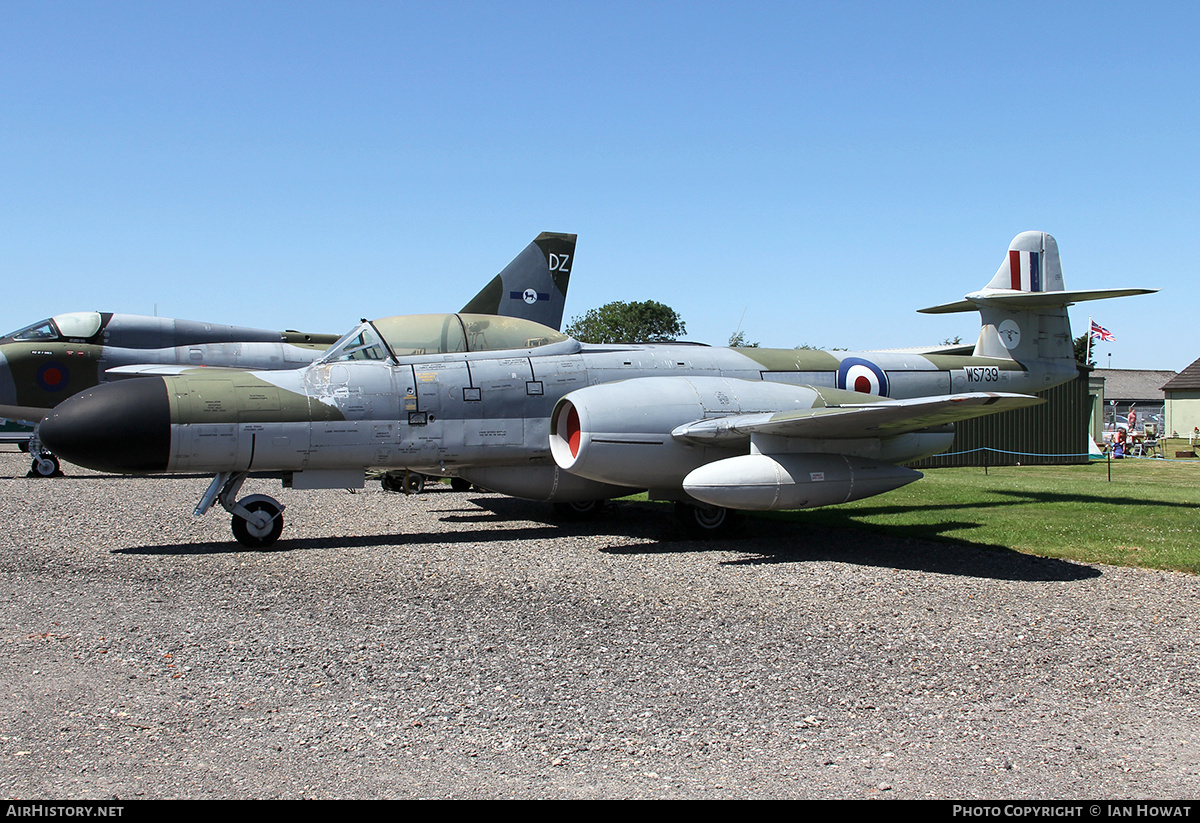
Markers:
point(782, 482)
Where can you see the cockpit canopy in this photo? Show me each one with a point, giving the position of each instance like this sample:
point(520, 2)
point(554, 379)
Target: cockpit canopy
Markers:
point(423, 334)
point(71, 325)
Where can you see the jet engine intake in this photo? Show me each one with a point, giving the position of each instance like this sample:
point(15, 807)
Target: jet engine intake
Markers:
point(620, 433)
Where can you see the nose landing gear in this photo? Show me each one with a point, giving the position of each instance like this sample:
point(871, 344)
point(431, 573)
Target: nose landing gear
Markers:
point(45, 464)
point(257, 518)
point(264, 524)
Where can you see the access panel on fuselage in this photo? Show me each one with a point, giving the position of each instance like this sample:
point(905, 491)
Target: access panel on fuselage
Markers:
point(430, 412)
point(496, 402)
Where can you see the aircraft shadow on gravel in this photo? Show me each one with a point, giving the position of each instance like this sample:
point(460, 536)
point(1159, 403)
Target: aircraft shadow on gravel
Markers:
point(767, 540)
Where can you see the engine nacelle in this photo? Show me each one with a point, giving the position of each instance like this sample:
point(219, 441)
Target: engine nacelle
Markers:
point(762, 482)
point(542, 483)
point(620, 433)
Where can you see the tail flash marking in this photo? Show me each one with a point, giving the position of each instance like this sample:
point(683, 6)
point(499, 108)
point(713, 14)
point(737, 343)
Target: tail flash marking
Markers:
point(1025, 270)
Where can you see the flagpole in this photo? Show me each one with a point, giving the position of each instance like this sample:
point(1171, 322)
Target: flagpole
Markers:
point(1088, 358)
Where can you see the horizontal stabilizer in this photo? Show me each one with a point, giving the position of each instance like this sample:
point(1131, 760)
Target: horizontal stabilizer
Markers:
point(956, 349)
point(1010, 299)
point(883, 418)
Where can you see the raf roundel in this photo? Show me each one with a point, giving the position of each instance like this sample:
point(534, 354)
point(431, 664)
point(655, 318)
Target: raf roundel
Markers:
point(857, 374)
point(53, 376)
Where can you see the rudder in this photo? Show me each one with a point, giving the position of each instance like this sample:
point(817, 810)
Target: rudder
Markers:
point(1031, 265)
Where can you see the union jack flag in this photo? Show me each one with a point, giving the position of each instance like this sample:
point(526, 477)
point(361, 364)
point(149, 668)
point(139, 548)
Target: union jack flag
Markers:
point(1101, 333)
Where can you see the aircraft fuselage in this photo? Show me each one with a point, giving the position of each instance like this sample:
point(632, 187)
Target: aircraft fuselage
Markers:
point(458, 413)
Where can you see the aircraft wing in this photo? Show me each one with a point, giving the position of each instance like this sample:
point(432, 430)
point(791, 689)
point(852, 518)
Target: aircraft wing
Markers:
point(23, 414)
point(160, 369)
point(882, 418)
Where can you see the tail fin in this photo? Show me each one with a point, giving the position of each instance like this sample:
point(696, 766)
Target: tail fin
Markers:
point(1031, 265)
point(1024, 307)
point(534, 285)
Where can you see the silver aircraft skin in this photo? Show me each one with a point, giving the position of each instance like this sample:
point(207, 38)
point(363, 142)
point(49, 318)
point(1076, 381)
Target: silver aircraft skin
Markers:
point(44, 363)
point(522, 410)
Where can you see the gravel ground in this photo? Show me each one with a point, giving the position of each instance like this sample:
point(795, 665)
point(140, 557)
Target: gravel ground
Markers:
point(471, 646)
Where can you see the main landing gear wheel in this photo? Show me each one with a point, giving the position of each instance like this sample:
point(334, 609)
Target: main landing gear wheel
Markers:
point(406, 482)
point(45, 465)
point(708, 521)
point(585, 510)
point(460, 484)
point(262, 529)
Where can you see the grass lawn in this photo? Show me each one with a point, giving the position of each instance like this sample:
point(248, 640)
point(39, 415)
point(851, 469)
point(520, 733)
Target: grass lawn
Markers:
point(1148, 515)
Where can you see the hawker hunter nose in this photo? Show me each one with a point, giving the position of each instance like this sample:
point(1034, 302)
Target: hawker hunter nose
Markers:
point(54, 359)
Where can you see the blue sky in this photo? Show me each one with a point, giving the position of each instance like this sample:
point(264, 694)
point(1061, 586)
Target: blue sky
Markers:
point(814, 171)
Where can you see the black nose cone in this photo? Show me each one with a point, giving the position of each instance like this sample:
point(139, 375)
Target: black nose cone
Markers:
point(122, 427)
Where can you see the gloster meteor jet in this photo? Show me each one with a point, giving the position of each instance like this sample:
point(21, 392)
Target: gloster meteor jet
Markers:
point(521, 409)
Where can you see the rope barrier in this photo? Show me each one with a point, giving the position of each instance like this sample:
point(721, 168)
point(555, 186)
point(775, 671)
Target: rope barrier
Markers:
point(1068, 454)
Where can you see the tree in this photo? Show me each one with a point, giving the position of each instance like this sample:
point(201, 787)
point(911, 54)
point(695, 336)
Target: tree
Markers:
point(738, 341)
point(646, 322)
point(1081, 348)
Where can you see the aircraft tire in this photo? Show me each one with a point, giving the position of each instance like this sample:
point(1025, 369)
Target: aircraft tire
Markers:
point(704, 520)
point(460, 484)
point(45, 466)
point(586, 510)
point(412, 483)
point(258, 538)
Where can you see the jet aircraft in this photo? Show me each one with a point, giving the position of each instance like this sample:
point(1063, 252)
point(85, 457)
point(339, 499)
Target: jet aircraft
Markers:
point(43, 364)
point(524, 410)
